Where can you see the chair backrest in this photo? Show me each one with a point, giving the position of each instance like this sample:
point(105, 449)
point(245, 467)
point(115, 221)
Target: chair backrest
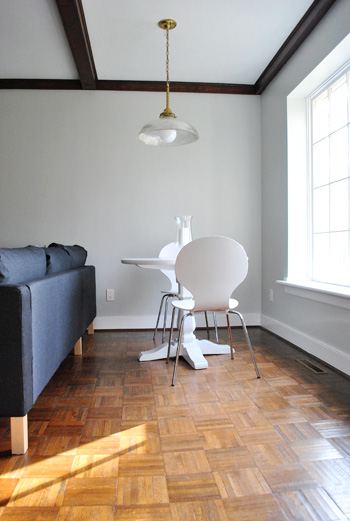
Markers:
point(211, 268)
point(170, 251)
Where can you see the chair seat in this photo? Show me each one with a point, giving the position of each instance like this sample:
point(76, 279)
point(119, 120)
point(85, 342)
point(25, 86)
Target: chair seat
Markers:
point(188, 304)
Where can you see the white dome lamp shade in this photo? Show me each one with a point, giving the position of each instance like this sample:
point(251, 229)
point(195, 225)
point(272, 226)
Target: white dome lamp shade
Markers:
point(167, 130)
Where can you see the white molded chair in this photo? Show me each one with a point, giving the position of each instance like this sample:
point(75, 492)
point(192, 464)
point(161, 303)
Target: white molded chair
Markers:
point(210, 268)
point(171, 251)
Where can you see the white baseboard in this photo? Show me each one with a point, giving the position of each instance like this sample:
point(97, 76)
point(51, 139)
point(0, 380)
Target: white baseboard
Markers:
point(125, 322)
point(149, 322)
point(329, 354)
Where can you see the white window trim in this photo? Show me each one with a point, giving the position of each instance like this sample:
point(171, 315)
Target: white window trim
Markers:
point(297, 283)
point(326, 293)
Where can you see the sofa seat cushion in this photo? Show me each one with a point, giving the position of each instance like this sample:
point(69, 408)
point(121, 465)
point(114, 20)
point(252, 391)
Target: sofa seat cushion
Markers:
point(19, 265)
point(77, 254)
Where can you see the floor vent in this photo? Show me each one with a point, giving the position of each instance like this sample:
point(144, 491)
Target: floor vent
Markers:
point(312, 367)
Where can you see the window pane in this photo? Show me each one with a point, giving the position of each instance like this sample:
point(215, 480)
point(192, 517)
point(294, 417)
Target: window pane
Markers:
point(320, 267)
point(330, 183)
point(339, 210)
point(339, 168)
point(339, 262)
point(320, 125)
point(320, 165)
point(321, 209)
point(339, 102)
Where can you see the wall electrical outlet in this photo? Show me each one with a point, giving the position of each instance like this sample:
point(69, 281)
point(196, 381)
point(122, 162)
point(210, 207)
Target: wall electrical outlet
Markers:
point(110, 295)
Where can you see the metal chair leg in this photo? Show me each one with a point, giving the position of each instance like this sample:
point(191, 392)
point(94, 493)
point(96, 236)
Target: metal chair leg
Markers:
point(207, 324)
point(248, 341)
point(179, 346)
point(229, 334)
point(165, 317)
point(158, 318)
point(216, 327)
point(170, 335)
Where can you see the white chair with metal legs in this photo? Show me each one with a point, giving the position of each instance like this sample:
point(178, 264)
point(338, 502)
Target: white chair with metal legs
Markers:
point(171, 251)
point(211, 268)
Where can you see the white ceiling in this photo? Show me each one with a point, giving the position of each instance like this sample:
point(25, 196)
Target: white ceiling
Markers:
point(222, 41)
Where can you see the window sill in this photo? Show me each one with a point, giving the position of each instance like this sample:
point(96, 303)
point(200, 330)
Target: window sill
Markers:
point(326, 293)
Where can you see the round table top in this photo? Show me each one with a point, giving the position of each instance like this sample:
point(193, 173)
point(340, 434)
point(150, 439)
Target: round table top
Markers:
point(151, 262)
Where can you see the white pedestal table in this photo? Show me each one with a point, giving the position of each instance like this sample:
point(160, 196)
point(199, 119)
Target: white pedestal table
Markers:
point(192, 349)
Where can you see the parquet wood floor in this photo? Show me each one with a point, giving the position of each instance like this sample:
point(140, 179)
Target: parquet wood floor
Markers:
point(111, 440)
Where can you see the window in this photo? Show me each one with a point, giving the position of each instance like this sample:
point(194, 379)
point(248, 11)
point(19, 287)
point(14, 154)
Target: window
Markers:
point(329, 185)
point(318, 182)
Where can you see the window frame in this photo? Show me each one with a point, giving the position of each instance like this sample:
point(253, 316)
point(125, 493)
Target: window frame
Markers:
point(316, 93)
point(295, 280)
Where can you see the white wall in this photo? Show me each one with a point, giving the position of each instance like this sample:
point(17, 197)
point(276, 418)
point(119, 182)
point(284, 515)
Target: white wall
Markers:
point(320, 328)
point(72, 171)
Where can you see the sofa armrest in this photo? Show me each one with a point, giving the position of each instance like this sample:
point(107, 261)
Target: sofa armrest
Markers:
point(89, 297)
point(16, 371)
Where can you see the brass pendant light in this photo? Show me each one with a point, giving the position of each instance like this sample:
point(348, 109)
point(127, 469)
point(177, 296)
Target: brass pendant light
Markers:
point(167, 130)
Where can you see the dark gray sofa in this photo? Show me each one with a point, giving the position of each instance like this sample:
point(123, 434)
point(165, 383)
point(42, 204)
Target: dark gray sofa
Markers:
point(47, 302)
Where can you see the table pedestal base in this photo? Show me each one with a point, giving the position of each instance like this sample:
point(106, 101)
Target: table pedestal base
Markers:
point(192, 352)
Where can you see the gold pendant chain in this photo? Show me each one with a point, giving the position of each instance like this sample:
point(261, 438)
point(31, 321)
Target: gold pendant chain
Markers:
point(167, 69)
point(166, 25)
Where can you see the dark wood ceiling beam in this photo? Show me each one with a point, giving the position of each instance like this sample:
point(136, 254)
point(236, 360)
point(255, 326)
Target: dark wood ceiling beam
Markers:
point(176, 86)
point(312, 17)
point(74, 23)
point(40, 84)
point(123, 85)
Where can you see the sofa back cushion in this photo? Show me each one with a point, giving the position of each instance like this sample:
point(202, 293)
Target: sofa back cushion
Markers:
point(77, 254)
point(57, 259)
point(18, 265)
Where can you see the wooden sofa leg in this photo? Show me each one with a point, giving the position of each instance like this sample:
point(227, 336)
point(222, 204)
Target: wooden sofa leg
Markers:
point(78, 348)
point(91, 328)
point(19, 434)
